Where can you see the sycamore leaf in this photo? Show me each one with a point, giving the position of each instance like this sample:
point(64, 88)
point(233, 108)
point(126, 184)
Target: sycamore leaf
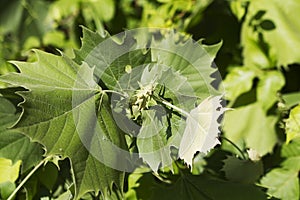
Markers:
point(195, 187)
point(291, 151)
point(181, 66)
point(291, 99)
point(282, 184)
point(293, 124)
point(260, 137)
point(13, 145)
point(59, 111)
point(188, 74)
point(89, 41)
point(243, 171)
point(268, 38)
point(9, 171)
point(269, 84)
point(110, 57)
point(6, 189)
point(238, 8)
point(202, 129)
point(192, 61)
point(152, 139)
point(238, 81)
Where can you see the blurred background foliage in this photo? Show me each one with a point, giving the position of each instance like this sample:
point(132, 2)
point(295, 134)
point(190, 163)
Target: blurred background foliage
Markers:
point(259, 62)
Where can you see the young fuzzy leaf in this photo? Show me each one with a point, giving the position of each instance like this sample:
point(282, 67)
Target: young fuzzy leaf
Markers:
point(202, 129)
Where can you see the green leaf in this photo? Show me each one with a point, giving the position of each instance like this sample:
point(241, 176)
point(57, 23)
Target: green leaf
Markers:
point(9, 171)
point(238, 81)
point(111, 65)
point(197, 188)
point(282, 184)
point(48, 175)
point(13, 145)
point(65, 196)
point(238, 8)
point(152, 139)
point(103, 9)
point(170, 51)
point(196, 69)
point(269, 84)
point(11, 14)
point(202, 129)
point(8, 115)
point(293, 124)
point(61, 114)
point(6, 189)
point(292, 163)
point(254, 129)
point(243, 171)
point(26, 19)
point(170, 62)
point(291, 99)
point(291, 149)
point(268, 39)
point(89, 41)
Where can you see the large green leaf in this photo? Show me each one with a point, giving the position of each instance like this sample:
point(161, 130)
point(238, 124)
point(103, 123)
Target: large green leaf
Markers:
point(169, 51)
point(248, 126)
point(99, 10)
point(244, 171)
point(66, 111)
point(269, 84)
point(238, 81)
point(152, 139)
point(9, 171)
point(196, 188)
point(268, 37)
point(291, 99)
point(13, 145)
point(170, 62)
point(282, 183)
point(25, 19)
point(11, 14)
point(293, 124)
point(291, 151)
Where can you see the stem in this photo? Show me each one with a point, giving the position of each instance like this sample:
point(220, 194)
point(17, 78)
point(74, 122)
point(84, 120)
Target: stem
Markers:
point(116, 92)
point(235, 146)
point(174, 107)
point(230, 104)
point(160, 178)
point(27, 177)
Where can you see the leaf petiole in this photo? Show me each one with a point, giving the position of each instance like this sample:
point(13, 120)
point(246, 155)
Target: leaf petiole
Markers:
point(174, 107)
point(235, 146)
point(115, 92)
point(28, 177)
